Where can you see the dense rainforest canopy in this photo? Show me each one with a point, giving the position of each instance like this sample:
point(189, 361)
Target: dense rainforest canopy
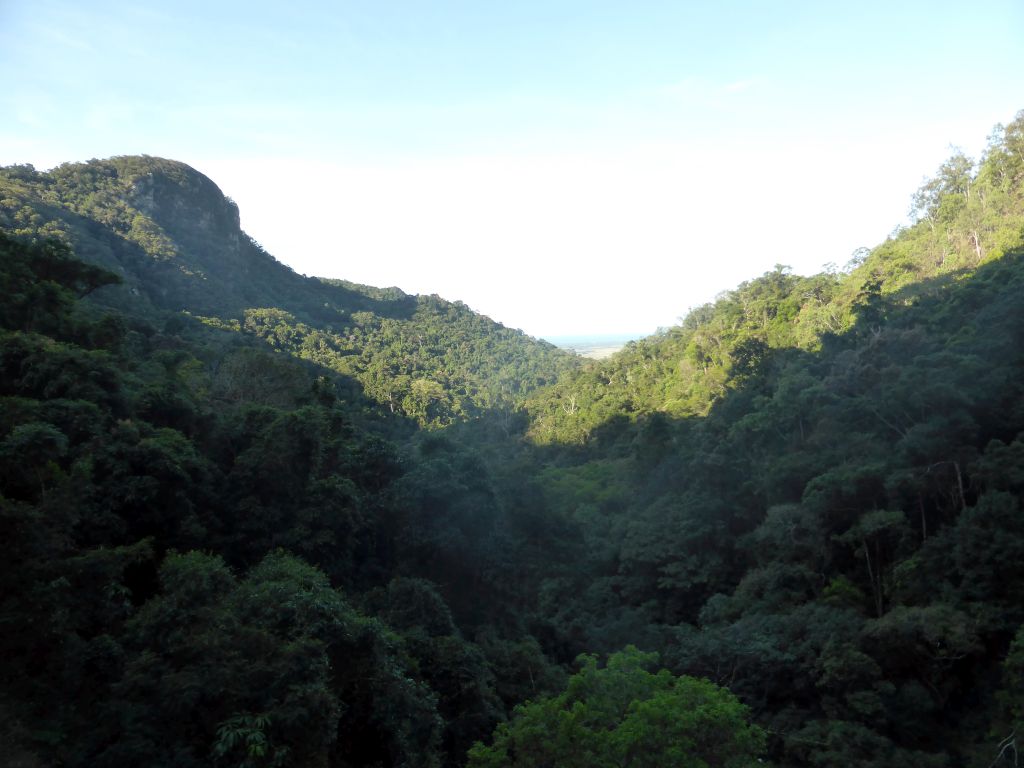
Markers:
point(254, 518)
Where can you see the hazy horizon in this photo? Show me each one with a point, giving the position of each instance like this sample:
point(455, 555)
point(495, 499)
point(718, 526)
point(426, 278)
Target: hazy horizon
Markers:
point(570, 168)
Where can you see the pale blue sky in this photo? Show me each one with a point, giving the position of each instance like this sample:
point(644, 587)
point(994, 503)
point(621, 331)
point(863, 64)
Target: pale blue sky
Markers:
point(564, 167)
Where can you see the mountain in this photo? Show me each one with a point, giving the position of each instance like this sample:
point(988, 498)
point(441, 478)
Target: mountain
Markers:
point(377, 532)
point(809, 491)
point(174, 240)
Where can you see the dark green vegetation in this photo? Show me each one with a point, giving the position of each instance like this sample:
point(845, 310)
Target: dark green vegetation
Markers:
point(252, 518)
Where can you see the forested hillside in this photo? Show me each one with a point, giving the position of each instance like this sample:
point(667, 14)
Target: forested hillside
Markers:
point(175, 241)
point(808, 490)
point(254, 518)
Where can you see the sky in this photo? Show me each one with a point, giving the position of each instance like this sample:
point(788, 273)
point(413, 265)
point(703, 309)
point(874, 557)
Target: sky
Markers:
point(567, 168)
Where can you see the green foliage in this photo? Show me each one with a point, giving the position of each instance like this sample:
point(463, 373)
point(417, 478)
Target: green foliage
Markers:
point(622, 714)
point(242, 740)
point(176, 240)
point(808, 493)
point(40, 282)
point(835, 453)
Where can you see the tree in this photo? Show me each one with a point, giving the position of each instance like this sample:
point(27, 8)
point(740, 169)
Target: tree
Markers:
point(623, 715)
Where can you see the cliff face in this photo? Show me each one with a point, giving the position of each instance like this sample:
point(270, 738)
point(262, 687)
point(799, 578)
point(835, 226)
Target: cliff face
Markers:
point(190, 208)
point(167, 229)
point(214, 266)
point(173, 191)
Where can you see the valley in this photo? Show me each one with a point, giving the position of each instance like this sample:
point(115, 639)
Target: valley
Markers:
point(257, 518)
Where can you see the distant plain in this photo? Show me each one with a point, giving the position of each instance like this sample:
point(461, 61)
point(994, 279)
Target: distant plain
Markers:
point(594, 347)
